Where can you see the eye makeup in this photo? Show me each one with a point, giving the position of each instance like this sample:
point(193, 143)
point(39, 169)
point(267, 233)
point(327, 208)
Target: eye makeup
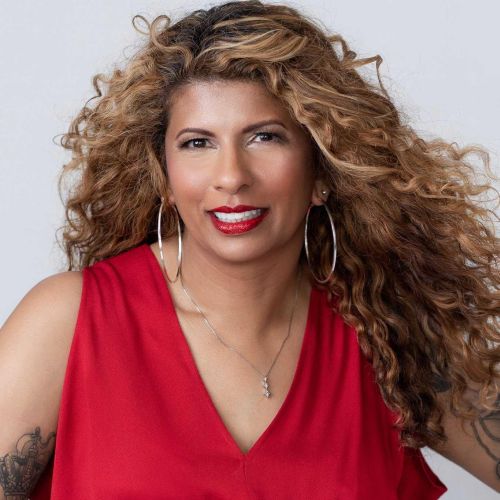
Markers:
point(275, 138)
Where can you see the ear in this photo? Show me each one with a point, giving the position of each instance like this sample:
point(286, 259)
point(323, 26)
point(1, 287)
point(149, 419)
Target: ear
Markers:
point(170, 197)
point(320, 193)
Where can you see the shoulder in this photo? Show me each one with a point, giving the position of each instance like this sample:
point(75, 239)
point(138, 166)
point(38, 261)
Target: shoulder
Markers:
point(59, 292)
point(66, 285)
point(46, 314)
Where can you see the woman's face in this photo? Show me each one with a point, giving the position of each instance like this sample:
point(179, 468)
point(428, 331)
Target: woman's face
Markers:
point(220, 153)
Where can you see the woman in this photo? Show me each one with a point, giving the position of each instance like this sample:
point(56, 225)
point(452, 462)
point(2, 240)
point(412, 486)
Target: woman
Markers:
point(206, 341)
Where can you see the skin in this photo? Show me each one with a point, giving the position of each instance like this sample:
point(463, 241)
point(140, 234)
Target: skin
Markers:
point(21, 469)
point(475, 445)
point(246, 279)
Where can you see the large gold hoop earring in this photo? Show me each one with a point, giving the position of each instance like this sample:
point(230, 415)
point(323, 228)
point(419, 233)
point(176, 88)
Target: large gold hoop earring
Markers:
point(179, 251)
point(334, 252)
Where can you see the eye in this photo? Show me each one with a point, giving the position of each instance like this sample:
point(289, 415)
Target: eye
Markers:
point(195, 140)
point(200, 142)
point(274, 137)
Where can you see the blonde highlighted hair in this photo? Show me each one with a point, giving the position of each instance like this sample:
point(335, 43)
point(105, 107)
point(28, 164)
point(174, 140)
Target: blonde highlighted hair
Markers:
point(417, 272)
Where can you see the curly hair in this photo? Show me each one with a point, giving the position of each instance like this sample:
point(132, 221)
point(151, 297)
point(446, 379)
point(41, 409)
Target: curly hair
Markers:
point(416, 274)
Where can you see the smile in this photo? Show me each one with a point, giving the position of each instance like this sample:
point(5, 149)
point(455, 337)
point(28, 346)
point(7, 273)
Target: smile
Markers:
point(238, 222)
point(238, 216)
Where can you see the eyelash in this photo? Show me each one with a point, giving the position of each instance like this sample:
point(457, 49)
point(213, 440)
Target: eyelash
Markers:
point(277, 138)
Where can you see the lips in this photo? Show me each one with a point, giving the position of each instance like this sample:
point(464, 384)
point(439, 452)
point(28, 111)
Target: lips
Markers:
point(237, 209)
point(237, 227)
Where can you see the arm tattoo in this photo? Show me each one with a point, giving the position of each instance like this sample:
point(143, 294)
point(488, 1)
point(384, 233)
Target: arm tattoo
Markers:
point(490, 440)
point(20, 470)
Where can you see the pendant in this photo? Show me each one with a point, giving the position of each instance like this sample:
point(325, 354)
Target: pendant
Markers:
point(266, 386)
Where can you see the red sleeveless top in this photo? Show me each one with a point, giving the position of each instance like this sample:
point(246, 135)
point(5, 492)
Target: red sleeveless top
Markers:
point(137, 423)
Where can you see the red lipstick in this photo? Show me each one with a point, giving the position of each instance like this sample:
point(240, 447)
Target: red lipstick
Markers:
point(240, 226)
point(238, 208)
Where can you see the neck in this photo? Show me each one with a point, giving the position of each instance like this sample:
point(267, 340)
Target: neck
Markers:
point(245, 301)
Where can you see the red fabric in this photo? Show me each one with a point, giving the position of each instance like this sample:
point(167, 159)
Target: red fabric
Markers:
point(136, 421)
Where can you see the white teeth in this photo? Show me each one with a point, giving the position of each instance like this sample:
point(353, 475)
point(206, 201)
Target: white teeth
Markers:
point(238, 217)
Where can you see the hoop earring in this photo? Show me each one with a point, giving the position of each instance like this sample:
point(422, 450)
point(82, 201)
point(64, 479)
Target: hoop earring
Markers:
point(179, 251)
point(334, 244)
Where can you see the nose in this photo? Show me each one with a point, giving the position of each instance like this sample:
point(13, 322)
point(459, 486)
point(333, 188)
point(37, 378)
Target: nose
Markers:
point(232, 170)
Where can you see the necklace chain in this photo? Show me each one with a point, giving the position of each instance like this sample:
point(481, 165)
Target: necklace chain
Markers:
point(265, 376)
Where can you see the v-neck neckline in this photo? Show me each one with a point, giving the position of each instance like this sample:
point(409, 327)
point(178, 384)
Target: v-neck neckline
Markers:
point(299, 367)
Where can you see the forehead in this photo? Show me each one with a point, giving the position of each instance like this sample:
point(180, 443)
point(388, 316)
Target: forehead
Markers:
point(226, 100)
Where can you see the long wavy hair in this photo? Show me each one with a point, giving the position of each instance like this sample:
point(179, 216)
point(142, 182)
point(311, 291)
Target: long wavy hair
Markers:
point(416, 273)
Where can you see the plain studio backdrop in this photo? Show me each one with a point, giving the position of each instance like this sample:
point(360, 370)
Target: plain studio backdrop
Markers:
point(440, 66)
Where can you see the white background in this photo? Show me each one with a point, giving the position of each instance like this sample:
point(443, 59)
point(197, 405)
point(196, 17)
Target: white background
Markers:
point(440, 65)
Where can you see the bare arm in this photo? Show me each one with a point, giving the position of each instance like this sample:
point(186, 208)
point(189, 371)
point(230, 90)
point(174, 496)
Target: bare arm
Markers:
point(34, 347)
point(21, 468)
point(476, 447)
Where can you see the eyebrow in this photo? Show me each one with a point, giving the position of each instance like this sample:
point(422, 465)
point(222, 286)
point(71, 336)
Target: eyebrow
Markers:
point(250, 128)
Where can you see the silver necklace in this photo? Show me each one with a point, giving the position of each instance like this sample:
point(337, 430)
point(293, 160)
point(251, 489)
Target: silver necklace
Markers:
point(264, 377)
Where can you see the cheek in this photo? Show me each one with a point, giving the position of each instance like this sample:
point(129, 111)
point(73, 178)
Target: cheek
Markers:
point(291, 177)
point(186, 182)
